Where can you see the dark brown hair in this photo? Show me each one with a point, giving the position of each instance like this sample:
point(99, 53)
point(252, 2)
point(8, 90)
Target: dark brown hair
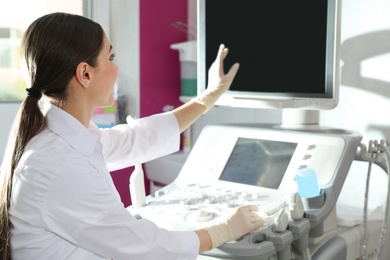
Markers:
point(52, 47)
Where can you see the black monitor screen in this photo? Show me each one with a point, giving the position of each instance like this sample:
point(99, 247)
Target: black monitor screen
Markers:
point(257, 162)
point(281, 45)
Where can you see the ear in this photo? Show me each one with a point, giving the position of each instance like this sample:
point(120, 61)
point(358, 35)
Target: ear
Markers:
point(83, 74)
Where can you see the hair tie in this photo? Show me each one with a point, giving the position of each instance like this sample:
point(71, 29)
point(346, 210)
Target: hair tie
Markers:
point(34, 93)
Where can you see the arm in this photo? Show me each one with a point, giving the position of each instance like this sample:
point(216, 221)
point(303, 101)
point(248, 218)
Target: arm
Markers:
point(218, 83)
point(188, 113)
point(205, 242)
point(140, 140)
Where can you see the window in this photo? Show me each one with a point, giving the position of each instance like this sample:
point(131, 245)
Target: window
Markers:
point(15, 17)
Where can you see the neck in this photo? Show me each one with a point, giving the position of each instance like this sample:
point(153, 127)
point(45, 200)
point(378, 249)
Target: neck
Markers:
point(80, 110)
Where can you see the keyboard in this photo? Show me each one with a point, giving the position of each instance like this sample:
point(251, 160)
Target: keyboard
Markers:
point(195, 206)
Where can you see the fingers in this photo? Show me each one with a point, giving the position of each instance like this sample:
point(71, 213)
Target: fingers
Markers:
point(258, 223)
point(250, 207)
point(222, 53)
point(218, 63)
point(253, 218)
point(233, 70)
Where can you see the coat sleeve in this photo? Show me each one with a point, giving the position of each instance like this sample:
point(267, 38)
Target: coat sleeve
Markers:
point(140, 141)
point(91, 217)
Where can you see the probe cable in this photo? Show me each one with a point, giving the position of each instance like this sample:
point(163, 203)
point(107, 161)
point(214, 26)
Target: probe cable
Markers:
point(367, 155)
point(370, 155)
point(364, 247)
point(385, 220)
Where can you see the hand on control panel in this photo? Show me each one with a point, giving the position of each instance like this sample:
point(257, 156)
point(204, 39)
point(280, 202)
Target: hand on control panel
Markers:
point(242, 220)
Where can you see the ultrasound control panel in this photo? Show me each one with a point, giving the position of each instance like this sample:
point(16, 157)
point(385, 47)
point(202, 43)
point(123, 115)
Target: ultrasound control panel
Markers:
point(234, 165)
point(195, 205)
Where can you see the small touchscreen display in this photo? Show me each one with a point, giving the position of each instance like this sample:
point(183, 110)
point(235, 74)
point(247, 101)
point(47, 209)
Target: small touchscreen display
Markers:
point(257, 162)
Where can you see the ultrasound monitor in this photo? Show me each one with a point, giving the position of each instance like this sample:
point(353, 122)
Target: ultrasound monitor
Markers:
point(288, 51)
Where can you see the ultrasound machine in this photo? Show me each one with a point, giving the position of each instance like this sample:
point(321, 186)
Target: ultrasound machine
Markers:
point(232, 165)
point(289, 61)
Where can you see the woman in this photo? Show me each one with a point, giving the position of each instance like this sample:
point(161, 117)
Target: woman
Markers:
point(58, 200)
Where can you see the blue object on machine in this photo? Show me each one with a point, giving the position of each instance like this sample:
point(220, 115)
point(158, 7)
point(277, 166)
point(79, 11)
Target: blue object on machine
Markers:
point(307, 183)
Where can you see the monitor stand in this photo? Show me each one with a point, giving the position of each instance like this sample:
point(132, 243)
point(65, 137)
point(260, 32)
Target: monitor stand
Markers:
point(300, 119)
point(303, 120)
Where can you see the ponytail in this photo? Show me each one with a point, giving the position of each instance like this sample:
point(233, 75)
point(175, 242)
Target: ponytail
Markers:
point(52, 47)
point(29, 122)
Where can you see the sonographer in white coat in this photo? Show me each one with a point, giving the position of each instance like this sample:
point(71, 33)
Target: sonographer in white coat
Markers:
point(58, 200)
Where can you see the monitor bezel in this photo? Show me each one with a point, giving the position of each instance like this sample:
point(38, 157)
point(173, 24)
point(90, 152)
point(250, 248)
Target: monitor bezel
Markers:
point(267, 100)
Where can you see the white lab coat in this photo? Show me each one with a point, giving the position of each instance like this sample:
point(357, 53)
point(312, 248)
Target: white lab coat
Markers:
point(64, 204)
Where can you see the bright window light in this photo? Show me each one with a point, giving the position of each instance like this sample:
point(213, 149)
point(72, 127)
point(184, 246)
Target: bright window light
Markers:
point(15, 17)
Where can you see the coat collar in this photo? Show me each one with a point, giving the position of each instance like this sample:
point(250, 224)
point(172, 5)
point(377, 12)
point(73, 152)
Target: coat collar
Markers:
point(71, 130)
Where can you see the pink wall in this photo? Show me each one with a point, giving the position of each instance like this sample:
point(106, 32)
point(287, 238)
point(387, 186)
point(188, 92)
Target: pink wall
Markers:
point(121, 181)
point(159, 66)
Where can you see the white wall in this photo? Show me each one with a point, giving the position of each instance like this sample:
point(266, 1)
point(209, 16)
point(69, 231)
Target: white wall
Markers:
point(365, 63)
point(120, 21)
